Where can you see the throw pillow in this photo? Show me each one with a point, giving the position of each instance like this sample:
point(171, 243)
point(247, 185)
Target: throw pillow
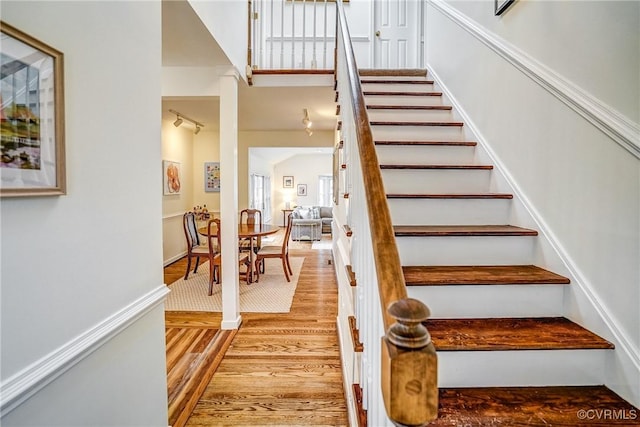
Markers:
point(315, 213)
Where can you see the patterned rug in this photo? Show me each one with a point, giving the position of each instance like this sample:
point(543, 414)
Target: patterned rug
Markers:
point(272, 294)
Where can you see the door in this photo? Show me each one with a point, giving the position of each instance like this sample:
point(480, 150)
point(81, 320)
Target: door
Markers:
point(396, 33)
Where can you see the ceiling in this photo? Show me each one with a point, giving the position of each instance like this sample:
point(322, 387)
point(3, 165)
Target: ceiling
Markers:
point(187, 42)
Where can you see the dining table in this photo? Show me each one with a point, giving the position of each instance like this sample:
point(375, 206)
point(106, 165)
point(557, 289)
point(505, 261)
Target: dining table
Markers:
point(251, 232)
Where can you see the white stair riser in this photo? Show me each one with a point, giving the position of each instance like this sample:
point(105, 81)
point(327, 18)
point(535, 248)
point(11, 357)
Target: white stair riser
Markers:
point(397, 87)
point(418, 133)
point(480, 301)
point(449, 211)
point(521, 368)
point(471, 250)
point(425, 155)
point(389, 115)
point(425, 181)
point(402, 100)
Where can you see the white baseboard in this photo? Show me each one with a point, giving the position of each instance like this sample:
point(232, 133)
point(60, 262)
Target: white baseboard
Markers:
point(27, 382)
point(174, 258)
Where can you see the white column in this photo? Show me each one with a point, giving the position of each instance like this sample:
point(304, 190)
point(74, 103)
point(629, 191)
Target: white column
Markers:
point(231, 318)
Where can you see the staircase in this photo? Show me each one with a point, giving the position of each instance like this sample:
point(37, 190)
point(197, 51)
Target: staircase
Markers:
point(506, 354)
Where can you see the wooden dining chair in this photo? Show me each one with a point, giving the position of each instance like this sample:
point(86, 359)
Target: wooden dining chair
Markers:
point(250, 217)
point(281, 252)
point(215, 266)
point(197, 246)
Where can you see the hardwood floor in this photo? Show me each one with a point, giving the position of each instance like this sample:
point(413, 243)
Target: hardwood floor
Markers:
point(280, 369)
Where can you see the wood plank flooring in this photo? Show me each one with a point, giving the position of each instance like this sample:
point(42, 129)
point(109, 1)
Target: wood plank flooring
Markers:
point(281, 368)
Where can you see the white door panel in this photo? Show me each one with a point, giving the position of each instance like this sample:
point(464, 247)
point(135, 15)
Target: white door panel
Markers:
point(396, 33)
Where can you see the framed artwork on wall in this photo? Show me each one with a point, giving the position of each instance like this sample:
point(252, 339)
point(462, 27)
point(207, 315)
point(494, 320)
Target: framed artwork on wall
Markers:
point(171, 177)
point(212, 177)
point(32, 117)
point(287, 181)
point(302, 190)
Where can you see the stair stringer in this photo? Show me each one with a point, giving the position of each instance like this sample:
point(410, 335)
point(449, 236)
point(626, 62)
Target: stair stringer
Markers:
point(580, 302)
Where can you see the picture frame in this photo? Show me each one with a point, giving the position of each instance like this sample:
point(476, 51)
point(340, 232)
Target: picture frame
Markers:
point(171, 175)
point(287, 181)
point(302, 190)
point(500, 6)
point(32, 145)
point(212, 177)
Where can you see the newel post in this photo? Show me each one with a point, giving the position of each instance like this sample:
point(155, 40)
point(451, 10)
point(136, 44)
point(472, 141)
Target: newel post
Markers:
point(409, 366)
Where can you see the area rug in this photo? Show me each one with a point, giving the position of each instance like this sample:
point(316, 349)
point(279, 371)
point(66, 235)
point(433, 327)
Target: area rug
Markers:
point(272, 294)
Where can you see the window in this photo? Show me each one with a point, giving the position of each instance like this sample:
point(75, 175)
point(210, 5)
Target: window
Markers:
point(261, 195)
point(325, 190)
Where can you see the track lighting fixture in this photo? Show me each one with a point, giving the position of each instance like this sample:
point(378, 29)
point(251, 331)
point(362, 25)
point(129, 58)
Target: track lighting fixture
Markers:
point(306, 120)
point(308, 131)
point(180, 118)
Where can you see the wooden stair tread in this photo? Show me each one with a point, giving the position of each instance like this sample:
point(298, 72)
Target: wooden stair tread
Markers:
point(451, 196)
point(443, 143)
point(409, 107)
point(502, 334)
point(398, 123)
point(462, 230)
point(415, 72)
point(474, 167)
point(480, 275)
point(532, 406)
point(410, 82)
point(388, 93)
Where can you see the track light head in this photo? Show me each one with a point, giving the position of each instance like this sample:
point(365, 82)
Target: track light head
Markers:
point(197, 131)
point(178, 122)
point(308, 131)
point(306, 120)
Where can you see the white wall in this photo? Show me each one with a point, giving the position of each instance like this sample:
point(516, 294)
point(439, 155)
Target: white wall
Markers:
point(247, 139)
point(191, 151)
point(83, 272)
point(305, 169)
point(227, 22)
point(582, 186)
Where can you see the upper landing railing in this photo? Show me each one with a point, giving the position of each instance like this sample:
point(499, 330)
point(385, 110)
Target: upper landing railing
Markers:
point(292, 34)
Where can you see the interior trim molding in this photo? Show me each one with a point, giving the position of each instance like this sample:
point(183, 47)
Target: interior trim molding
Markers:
point(30, 380)
point(622, 340)
point(616, 126)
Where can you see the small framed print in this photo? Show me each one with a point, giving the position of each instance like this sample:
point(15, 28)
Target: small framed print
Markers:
point(212, 177)
point(171, 177)
point(32, 116)
point(287, 181)
point(302, 190)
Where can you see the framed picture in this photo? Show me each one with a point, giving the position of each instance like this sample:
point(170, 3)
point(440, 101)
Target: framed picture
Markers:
point(302, 189)
point(171, 177)
point(212, 177)
point(502, 5)
point(32, 116)
point(287, 182)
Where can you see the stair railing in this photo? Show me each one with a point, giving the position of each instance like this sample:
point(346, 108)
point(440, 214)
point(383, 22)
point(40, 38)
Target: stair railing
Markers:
point(406, 356)
point(291, 34)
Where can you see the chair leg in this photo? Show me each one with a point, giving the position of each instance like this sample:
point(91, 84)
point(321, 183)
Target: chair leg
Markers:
point(195, 270)
point(289, 264)
point(186, 275)
point(258, 261)
point(211, 276)
point(284, 267)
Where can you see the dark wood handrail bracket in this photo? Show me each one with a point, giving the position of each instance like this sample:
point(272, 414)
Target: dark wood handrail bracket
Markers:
point(409, 362)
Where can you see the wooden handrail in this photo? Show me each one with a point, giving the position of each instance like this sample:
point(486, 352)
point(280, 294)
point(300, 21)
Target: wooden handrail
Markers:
point(388, 266)
point(409, 362)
